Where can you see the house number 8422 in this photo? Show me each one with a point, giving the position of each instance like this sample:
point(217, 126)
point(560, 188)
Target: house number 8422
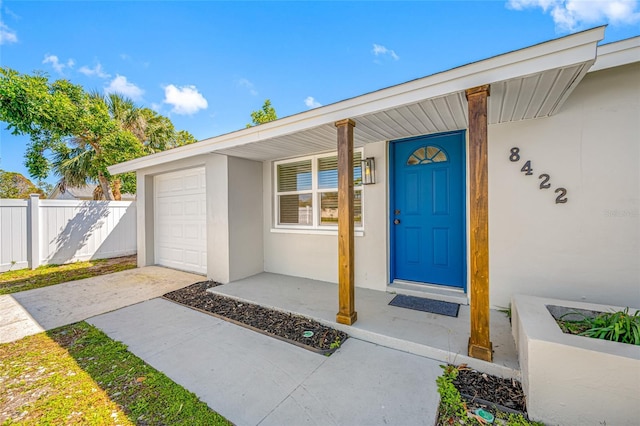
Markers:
point(527, 169)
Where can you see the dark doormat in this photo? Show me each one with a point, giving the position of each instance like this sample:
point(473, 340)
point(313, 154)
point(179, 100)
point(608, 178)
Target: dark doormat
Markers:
point(426, 305)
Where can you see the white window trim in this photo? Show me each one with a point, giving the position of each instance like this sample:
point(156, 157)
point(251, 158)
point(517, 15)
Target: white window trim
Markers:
point(315, 228)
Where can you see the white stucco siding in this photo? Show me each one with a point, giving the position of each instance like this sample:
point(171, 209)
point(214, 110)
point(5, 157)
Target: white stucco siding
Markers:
point(245, 218)
point(315, 256)
point(233, 214)
point(588, 248)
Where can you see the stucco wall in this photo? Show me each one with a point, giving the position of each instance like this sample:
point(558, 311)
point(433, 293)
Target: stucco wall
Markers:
point(245, 218)
point(234, 214)
point(588, 248)
point(316, 256)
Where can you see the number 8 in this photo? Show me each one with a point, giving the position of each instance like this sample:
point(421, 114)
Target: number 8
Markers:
point(515, 154)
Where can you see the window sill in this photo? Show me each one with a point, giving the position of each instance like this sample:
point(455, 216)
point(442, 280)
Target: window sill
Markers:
point(357, 233)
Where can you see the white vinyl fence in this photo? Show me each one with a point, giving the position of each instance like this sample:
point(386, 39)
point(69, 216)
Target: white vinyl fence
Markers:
point(36, 232)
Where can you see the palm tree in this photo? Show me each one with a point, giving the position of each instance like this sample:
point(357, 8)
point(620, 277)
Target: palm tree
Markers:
point(132, 131)
point(154, 131)
point(83, 161)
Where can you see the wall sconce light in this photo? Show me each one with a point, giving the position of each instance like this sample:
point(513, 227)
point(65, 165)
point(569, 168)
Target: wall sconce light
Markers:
point(368, 171)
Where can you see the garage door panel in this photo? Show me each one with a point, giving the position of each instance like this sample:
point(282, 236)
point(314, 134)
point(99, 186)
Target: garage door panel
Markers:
point(192, 232)
point(180, 220)
point(185, 182)
point(166, 254)
point(192, 183)
point(176, 231)
point(176, 209)
point(192, 257)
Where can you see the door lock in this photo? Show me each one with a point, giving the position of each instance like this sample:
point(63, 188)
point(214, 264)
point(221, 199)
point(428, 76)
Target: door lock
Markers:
point(396, 221)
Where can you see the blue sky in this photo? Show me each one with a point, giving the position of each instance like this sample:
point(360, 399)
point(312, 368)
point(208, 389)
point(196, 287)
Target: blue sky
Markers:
point(208, 64)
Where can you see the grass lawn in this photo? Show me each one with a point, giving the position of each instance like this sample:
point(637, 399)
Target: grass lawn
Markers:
point(27, 279)
point(77, 375)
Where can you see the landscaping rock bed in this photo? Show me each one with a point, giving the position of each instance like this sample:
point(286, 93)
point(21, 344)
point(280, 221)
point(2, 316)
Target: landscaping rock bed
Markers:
point(288, 327)
point(485, 391)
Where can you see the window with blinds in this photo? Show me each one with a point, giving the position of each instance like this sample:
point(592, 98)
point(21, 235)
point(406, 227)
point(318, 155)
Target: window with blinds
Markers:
point(307, 191)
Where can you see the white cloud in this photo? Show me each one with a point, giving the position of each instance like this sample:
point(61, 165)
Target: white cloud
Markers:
point(7, 35)
point(569, 15)
point(381, 50)
point(124, 87)
point(96, 70)
point(186, 100)
point(310, 102)
point(56, 64)
point(243, 82)
point(10, 12)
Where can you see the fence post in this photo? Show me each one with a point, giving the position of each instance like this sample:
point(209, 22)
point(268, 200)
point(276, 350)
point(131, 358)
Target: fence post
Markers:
point(34, 230)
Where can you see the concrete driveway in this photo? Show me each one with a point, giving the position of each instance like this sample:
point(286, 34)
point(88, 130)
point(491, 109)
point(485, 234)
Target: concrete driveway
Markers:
point(253, 379)
point(249, 378)
point(30, 312)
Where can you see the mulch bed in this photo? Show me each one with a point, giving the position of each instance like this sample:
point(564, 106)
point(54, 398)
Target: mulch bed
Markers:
point(485, 391)
point(480, 390)
point(282, 325)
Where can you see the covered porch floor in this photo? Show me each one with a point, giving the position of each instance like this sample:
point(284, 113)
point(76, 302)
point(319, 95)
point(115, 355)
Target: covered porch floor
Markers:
point(434, 336)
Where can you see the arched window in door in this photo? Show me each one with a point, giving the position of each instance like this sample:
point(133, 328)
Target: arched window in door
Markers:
point(427, 155)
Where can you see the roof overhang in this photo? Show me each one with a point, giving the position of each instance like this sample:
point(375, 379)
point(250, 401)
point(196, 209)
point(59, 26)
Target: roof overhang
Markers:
point(528, 83)
point(617, 54)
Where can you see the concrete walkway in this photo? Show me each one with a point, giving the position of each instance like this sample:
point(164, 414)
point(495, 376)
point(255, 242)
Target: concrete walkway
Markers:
point(252, 379)
point(30, 312)
point(434, 336)
point(247, 377)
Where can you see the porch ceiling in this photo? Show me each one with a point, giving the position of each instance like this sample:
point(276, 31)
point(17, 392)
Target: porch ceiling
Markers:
point(525, 84)
point(532, 96)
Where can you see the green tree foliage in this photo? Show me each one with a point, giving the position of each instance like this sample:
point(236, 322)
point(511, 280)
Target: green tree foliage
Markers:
point(264, 115)
point(184, 138)
point(14, 185)
point(45, 186)
point(77, 134)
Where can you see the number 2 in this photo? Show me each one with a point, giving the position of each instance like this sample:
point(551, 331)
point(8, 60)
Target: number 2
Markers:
point(561, 198)
point(545, 181)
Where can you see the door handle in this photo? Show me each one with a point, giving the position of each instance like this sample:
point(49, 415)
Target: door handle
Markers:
point(396, 221)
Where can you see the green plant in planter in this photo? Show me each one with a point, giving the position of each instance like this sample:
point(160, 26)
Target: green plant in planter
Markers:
point(617, 326)
point(451, 404)
point(453, 410)
point(335, 344)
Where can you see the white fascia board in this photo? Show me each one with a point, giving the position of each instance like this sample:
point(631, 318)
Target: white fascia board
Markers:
point(569, 50)
point(617, 54)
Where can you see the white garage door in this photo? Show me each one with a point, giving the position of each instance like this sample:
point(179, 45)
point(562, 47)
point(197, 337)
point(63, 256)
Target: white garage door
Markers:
point(180, 222)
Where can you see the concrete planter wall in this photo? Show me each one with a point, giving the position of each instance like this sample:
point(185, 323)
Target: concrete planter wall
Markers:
point(574, 380)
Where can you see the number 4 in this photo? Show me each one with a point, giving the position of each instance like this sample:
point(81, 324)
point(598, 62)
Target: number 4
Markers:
point(527, 168)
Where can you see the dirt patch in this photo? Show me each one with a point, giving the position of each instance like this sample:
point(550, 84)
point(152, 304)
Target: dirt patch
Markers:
point(107, 265)
point(292, 328)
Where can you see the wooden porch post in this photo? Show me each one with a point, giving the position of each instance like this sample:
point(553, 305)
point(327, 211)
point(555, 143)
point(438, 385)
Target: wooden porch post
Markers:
point(479, 344)
point(346, 292)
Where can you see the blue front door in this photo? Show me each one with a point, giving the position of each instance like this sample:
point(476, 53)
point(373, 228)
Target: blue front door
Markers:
point(428, 209)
